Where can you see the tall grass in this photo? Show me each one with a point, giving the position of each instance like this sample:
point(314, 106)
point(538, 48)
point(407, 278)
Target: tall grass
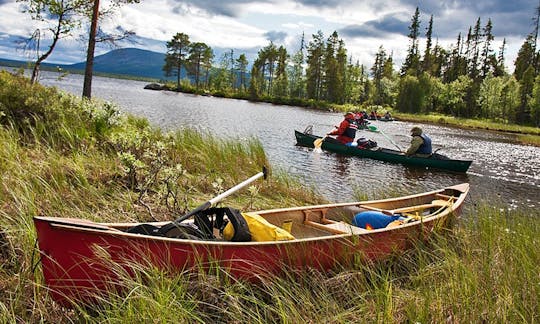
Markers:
point(84, 159)
point(62, 156)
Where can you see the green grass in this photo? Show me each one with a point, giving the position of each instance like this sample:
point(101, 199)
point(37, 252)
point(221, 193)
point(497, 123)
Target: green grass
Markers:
point(100, 165)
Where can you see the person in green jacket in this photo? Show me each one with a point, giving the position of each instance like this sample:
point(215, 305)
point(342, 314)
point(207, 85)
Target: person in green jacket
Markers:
point(420, 143)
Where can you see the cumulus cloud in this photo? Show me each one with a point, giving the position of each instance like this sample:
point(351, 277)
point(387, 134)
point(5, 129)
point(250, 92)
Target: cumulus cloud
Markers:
point(384, 27)
point(276, 36)
point(221, 8)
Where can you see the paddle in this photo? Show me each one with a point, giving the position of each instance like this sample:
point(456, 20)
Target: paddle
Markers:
point(432, 153)
point(318, 143)
point(216, 199)
point(373, 128)
point(391, 141)
point(162, 231)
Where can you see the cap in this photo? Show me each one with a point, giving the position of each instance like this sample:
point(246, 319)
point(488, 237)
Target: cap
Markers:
point(416, 130)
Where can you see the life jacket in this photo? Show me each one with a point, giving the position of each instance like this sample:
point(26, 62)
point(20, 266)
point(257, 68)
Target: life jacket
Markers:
point(351, 130)
point(425, 148)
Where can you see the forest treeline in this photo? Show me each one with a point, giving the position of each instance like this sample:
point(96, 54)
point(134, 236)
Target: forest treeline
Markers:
point(468, 79)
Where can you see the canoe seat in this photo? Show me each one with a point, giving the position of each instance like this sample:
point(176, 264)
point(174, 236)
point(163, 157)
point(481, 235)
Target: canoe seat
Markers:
point(336, 227)
point(346, 228)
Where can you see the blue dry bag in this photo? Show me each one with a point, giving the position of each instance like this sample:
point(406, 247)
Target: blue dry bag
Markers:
point(374, 219)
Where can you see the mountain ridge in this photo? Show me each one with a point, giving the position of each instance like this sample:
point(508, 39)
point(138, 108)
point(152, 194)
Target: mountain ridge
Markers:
point(133, 62)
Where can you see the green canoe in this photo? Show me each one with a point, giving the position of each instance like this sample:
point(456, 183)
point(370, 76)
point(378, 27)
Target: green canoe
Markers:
point(384, 154)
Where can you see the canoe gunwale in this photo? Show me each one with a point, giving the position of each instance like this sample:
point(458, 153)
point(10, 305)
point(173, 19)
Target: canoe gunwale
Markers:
point(110, 229)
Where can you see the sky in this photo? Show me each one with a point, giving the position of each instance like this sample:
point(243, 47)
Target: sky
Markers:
point(246, 26)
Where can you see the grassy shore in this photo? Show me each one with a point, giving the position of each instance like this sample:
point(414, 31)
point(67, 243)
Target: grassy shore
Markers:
point(60, 156)
point(524, 134)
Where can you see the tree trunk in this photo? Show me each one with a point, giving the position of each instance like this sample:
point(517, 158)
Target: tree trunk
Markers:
point(89, 68)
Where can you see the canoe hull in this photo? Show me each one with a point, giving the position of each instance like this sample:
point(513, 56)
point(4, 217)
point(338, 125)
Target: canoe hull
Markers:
point(384, 154)
point(82, 260)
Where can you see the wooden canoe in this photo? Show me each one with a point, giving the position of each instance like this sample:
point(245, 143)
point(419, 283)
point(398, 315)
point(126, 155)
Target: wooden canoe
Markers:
point(81, 259)
point(384, 154)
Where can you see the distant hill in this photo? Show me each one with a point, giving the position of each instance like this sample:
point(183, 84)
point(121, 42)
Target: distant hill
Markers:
point(126, 61)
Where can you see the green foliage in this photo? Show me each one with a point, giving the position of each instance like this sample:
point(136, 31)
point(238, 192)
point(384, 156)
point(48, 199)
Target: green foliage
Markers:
point(498, 98)
point(452, 98)
point(525, 58)
point(534, 103)
point(526, 89)
point(411, 95)
point(47, 115)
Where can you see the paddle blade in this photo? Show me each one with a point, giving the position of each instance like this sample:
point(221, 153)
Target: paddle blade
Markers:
point(318, 143)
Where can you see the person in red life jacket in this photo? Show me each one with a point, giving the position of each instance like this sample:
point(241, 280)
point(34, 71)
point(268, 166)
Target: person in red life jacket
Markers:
point(346, 132)
point(420, 143)
point(359, 120)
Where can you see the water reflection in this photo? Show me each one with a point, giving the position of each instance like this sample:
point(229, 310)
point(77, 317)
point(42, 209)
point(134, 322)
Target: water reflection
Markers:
point(501, 171)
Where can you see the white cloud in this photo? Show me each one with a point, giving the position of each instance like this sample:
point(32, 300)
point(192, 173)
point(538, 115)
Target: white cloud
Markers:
point(245, 24)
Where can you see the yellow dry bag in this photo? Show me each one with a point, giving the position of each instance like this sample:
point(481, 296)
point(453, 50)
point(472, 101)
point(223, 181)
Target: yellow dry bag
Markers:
point(261, 230)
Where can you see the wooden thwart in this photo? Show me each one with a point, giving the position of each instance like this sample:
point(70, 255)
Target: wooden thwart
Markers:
point(435, 203)
point(336, 227)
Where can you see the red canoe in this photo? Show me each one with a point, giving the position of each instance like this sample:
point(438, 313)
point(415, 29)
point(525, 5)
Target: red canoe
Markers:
point(81, 259)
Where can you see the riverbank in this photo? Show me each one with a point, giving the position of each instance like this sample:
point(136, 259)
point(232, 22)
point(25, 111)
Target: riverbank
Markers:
point(524, 134)
point(60, 156)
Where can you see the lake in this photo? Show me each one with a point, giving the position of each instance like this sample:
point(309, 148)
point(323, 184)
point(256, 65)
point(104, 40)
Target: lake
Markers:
point(502, 172)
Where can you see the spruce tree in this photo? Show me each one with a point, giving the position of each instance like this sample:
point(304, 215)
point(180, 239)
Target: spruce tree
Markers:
point(427, 62)
point(412, 61)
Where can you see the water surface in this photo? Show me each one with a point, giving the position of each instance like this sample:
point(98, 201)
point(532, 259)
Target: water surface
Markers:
point(502, 171)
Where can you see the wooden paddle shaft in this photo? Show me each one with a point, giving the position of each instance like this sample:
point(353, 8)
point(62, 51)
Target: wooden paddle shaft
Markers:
point(234, 189)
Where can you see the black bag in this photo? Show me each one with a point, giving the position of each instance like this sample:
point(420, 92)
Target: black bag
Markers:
point(202, 228)
point(364, 143)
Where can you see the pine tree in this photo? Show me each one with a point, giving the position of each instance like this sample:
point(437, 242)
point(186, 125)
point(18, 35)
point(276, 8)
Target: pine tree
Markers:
point(281, 84)
point(377, 73)
point(207, 60)
point(175, 58)
point(195, 61)
point(297, 82)
point(241, 67)
point(474, 54)
point(526, 91)
point(341, 59)
point(330, 65)
point(536, 21)
point(314, 70)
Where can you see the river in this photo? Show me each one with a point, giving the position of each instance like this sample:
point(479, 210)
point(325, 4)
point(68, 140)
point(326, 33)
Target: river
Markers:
point(502, 171)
